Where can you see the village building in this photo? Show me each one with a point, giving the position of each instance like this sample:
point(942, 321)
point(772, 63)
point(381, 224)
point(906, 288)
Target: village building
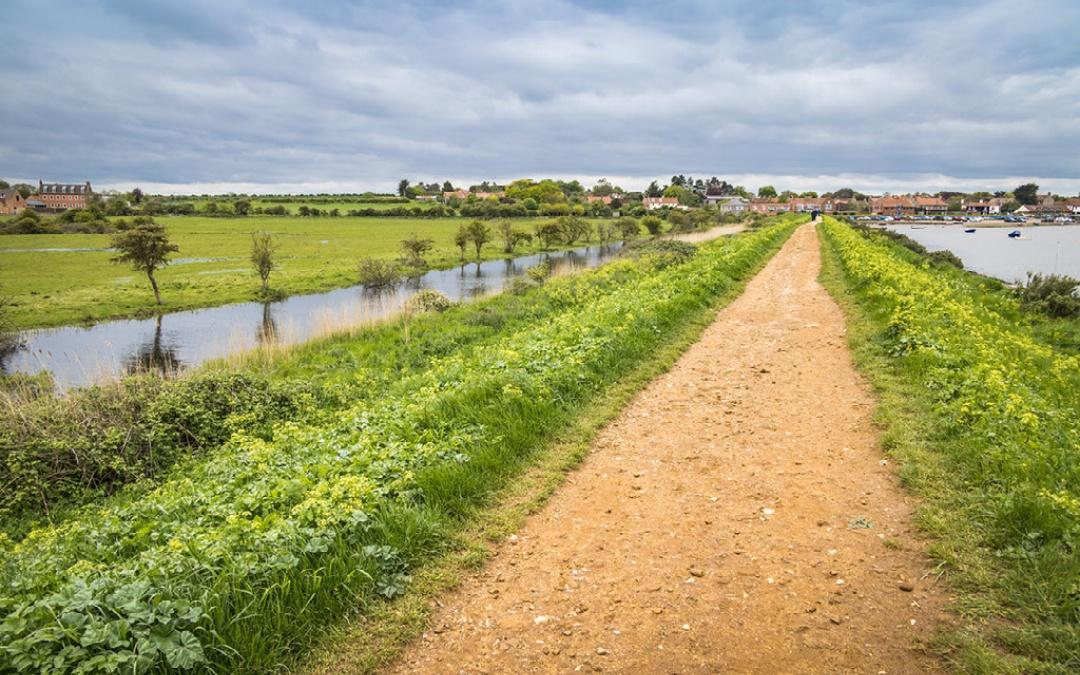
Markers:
point(11, 202)
point(716, 194)
point(653, 203)
point(465, 194)
point(734, 205)
point(64, 196)
point(931, 206)
point(768, 205)
point(606, 199)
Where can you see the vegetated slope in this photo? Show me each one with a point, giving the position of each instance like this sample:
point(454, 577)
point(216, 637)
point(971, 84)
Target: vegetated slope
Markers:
point(236, 561)
point(56, 453)
point(736, 517)
point(987, 418)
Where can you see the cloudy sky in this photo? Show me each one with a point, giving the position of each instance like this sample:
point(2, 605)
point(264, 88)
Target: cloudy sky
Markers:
point(320, 95)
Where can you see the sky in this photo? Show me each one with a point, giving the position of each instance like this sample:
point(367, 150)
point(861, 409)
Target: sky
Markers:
point(313, 96)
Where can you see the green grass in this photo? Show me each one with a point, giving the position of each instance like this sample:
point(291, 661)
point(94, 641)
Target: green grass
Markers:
point(244, 558)
point(316, 254)
point(983, 415)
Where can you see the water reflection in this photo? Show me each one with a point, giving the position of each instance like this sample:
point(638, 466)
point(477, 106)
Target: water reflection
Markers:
point(78, 355)
point(154, 355)
point(267, 332)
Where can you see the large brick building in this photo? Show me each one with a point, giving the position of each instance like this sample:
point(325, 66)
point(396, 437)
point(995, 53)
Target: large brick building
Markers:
point(64, 196)
point(11, 202)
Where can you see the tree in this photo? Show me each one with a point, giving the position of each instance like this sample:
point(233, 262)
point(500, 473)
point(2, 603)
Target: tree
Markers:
point(574, 229)
point(653, 190)
point(605, 232)
point(628, 228)
point(652, 224)
point(116, 205)
point(415, 247)
point(766, 191)
point(479, 234)
point(511, 237)
point(447, 186)
point(4, 185)
point(136, 196)
point(1028, 193)
point(549, 233)
point(242, 207)
point(461, 239)
point(263, 249)
point(602, 188)
point(403, 187)
point(146, 248)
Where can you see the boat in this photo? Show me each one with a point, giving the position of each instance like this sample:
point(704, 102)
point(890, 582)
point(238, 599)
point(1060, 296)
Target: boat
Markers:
point(1015, 234)
point(969, 230)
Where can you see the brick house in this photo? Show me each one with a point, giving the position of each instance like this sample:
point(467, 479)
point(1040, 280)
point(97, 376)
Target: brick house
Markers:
point(931, 206)
point(64, 196)
point(11, 202)
point(891, 205)
point(768, 205)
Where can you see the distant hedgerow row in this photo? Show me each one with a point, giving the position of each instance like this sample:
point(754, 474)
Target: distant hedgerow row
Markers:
point(227, 566)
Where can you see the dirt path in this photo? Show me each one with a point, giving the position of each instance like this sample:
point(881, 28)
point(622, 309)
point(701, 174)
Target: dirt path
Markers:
point(710, 234)
point(737, 517)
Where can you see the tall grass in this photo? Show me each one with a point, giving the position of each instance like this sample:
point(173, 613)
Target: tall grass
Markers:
point(987, 419)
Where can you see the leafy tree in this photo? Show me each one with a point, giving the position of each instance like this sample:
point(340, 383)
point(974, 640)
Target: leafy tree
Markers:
point(1028, 193)
point(145, 247)
point(461, 239)
point(24, 189)
point(510, 236)
point(479, 234)
point(136, 196)
point(605, 232)
point(263, 249)
point(628, 228)
point(602, 188)
point(415, 247)
point(574, 229)
point(809, 193)
point(653, 190)
point(242, 207)
point(447, 186)
point(549, 233)
point(403, 187)
point(116, 205)
point(4, 185)
point(652, 224)
point(766, 191)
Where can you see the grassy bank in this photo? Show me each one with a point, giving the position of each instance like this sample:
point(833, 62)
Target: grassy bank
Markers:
point(57, 287)
point(238, 561)
point(985, 417)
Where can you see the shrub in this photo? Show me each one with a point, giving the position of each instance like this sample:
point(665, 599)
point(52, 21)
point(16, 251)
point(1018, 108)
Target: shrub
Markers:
point(427, 300)
point(1054, 295)
point(539, 272)
point(378, 273)
point(99, 438)
point(946, 258)
point(664, 252)
point(652, 224)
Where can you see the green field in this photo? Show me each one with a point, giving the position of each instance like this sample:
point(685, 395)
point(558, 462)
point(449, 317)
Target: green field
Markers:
point(344, 204)
point(50, 288)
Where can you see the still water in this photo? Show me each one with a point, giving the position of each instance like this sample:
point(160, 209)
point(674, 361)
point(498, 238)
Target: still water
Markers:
point(78, 355)
point(1047, 249)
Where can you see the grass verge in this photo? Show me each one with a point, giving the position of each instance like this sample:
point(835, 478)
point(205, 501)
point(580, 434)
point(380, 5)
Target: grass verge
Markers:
point(994, 482)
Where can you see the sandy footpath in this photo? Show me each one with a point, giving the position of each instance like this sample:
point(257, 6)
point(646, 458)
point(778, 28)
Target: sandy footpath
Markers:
point(737, 517)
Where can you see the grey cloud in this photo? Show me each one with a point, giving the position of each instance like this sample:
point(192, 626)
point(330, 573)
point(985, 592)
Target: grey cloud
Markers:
point(288, 93)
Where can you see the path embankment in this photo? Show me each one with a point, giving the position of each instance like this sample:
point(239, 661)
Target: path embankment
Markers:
point(738, 516)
